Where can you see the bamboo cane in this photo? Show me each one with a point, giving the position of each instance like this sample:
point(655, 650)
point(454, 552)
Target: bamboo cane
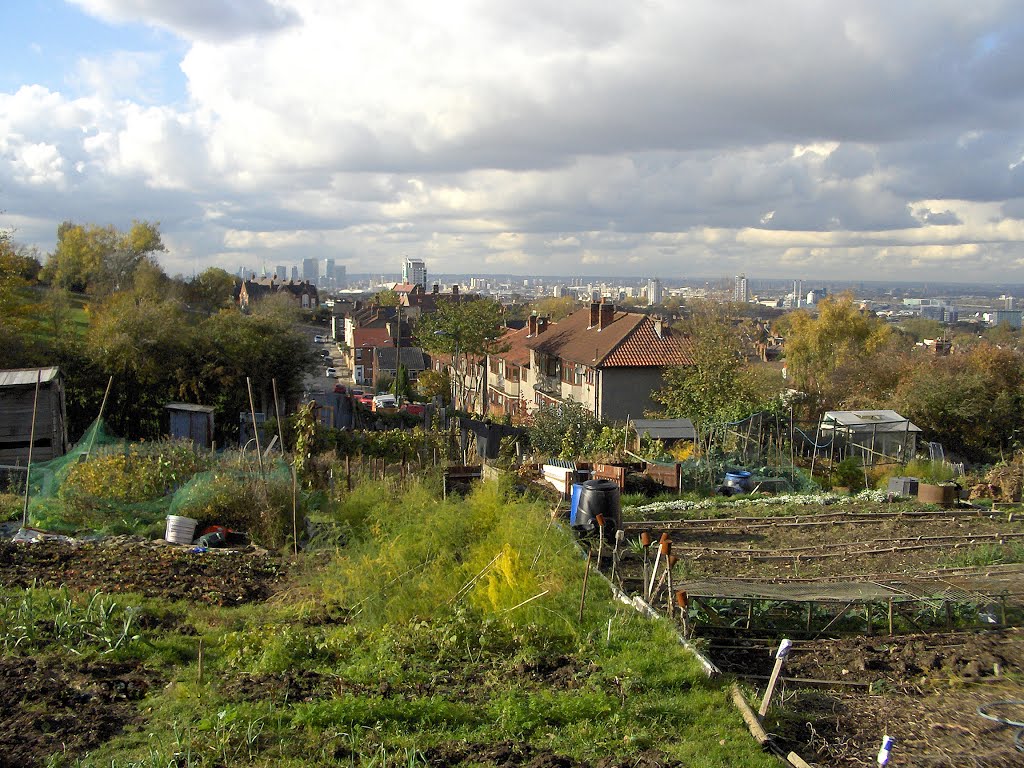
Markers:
point(31, 445)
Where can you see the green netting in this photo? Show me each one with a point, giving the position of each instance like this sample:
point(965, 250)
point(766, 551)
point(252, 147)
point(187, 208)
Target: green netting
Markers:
point(111, 485)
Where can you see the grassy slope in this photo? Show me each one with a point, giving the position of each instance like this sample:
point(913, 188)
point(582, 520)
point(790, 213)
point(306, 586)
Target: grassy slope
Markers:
point(409, 619)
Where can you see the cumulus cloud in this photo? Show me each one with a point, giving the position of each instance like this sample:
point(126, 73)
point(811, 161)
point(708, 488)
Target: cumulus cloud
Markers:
point(216, 20)
point(678, 139)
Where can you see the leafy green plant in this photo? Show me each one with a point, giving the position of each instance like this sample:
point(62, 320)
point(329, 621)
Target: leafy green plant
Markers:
point(849, 473)
point(932, 472)
point(139, 472)
point(37, 620)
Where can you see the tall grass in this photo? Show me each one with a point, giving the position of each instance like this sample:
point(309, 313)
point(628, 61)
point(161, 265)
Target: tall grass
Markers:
point(424, 557)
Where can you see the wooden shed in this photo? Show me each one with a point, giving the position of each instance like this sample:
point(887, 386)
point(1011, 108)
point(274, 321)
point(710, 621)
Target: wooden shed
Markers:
point(192, 422)
point(17, 394)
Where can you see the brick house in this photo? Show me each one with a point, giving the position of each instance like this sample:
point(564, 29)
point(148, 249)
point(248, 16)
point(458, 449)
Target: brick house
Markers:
point(610, 361)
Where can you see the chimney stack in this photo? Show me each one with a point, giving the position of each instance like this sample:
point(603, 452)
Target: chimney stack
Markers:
point(532, 325)
point(595, 314)
point(455, 289)
point(607, 314)
point(542, 324)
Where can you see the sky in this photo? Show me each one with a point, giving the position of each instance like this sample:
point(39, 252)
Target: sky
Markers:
point(650, 138)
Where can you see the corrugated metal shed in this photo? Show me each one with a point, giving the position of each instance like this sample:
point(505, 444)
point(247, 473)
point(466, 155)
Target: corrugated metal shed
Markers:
point(16, 377)
point(665, 429)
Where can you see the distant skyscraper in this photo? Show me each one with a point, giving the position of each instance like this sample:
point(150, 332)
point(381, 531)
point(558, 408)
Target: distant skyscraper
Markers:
point(340, 277)
point(310, 270)
point(295, 274)
point(327, 273)
point(654, 295)
point(414, 272)
point(281, 271)
point(740, 291)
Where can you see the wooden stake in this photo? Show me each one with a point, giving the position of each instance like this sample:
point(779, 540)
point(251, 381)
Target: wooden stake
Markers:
point(780, 658)
point(683, 603)
point(295, 511)
point(657, 559)
point(199, 672)
point(277, 410)
point(600, 541)
point(672, 559)
point(756, 729)
point(31, 445)
point(586, 576)
point(645, 543)
point(255, 431)
point(99, 419)
point(620, 535)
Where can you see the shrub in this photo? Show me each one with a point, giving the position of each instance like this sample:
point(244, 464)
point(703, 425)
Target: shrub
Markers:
point(241, 501)
point(849, 473)
point(141, 472)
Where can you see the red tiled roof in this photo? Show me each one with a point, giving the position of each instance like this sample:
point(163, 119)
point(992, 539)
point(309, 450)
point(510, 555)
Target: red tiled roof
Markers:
point(372, 337)
point(629, 340)
point(518, 353)
point(645, 347)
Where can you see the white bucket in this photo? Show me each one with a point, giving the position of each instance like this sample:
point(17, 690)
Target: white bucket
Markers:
point(180, 530)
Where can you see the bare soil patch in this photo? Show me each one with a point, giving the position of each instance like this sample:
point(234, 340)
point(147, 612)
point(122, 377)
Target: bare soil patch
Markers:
point(840, 695)
point(51, 706)
point(153, 569)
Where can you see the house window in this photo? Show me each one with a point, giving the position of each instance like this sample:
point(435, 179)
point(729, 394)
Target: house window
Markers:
point(590, 376)
point(359, 354)
point(572, 373)
point(551, 367)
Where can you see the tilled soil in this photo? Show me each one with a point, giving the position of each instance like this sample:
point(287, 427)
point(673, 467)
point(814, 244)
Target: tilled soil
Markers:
point(51, 707)
point(826, 544)
point(839, 696)
point(518, 755)
point(153, 569)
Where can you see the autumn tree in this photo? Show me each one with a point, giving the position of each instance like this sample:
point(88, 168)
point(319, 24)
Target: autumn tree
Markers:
point(556, 308)
point(817, 345)
point(142, 342)
point(18, 271)
point(100, 260)
point(715, 388)
point(972, 403)
point(210, 291)
point(466, 331)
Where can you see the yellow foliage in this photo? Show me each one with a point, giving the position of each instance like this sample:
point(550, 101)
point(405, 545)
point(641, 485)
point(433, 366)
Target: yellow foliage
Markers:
point(681, 451)
point(507, 583)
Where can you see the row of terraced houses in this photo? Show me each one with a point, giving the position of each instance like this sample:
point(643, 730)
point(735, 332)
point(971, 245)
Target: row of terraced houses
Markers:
point(609, 360)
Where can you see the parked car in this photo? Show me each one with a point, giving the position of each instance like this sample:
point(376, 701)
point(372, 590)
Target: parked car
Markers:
point(318, 339)
point(340, 389)
point(356, 392)
point(332, 372)
point(365, 399)
point(414, 409)
point(385, 402)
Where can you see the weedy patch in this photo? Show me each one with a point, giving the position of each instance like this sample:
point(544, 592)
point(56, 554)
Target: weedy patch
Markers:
point(431, 623)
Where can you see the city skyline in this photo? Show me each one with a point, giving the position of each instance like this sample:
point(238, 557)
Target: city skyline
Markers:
point(705, 140)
